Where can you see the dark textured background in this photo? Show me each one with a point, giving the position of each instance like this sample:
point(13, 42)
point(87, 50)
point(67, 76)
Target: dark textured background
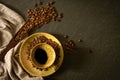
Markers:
point(97, 23)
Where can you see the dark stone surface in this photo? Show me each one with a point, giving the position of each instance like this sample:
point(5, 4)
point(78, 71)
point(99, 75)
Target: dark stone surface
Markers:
point(97, 23)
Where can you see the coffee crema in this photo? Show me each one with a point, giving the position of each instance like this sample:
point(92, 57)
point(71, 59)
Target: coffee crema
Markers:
point(40, 56)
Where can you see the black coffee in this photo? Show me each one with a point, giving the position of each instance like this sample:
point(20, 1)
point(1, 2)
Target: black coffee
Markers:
point(40, 56)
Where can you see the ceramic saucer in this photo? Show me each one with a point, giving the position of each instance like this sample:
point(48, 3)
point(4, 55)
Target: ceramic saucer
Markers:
point(29, 67)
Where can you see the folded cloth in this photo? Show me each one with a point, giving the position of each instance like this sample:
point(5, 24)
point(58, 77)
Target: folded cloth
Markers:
point(10, 23)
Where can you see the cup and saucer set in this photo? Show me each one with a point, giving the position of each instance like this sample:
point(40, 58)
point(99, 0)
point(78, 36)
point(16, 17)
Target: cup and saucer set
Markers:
point(41, 54)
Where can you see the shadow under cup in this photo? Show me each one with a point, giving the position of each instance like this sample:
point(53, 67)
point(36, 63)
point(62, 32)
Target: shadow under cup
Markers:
point(42, 55)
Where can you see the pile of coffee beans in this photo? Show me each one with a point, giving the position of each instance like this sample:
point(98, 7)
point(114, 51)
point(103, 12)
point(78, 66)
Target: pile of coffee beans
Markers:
point(68, 44)
point(38, 17)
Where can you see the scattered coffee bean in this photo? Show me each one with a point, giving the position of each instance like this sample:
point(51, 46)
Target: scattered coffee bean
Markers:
point(59, 20)
point(40, 3)
point(90, 51)
point(79, 40)
point(65, 36)
point(60, 15)
point(36, 5)
point(51, 2)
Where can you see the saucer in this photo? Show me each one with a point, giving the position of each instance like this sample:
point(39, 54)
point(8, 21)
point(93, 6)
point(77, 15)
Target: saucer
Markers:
point(28, 65)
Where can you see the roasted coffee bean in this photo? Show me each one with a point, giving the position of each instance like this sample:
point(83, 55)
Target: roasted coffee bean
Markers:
point(40, 3)
point(90, 51)
point(36, 5)
point(65, 36)
point(60, 15)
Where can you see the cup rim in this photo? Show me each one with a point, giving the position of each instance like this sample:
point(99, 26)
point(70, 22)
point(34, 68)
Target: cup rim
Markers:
point(50, 52)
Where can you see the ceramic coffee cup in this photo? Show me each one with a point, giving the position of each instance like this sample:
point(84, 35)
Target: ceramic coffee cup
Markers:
point(42, 55)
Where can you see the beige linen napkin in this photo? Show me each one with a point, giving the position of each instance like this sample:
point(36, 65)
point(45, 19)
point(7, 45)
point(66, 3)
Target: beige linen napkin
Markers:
point(10, 23)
